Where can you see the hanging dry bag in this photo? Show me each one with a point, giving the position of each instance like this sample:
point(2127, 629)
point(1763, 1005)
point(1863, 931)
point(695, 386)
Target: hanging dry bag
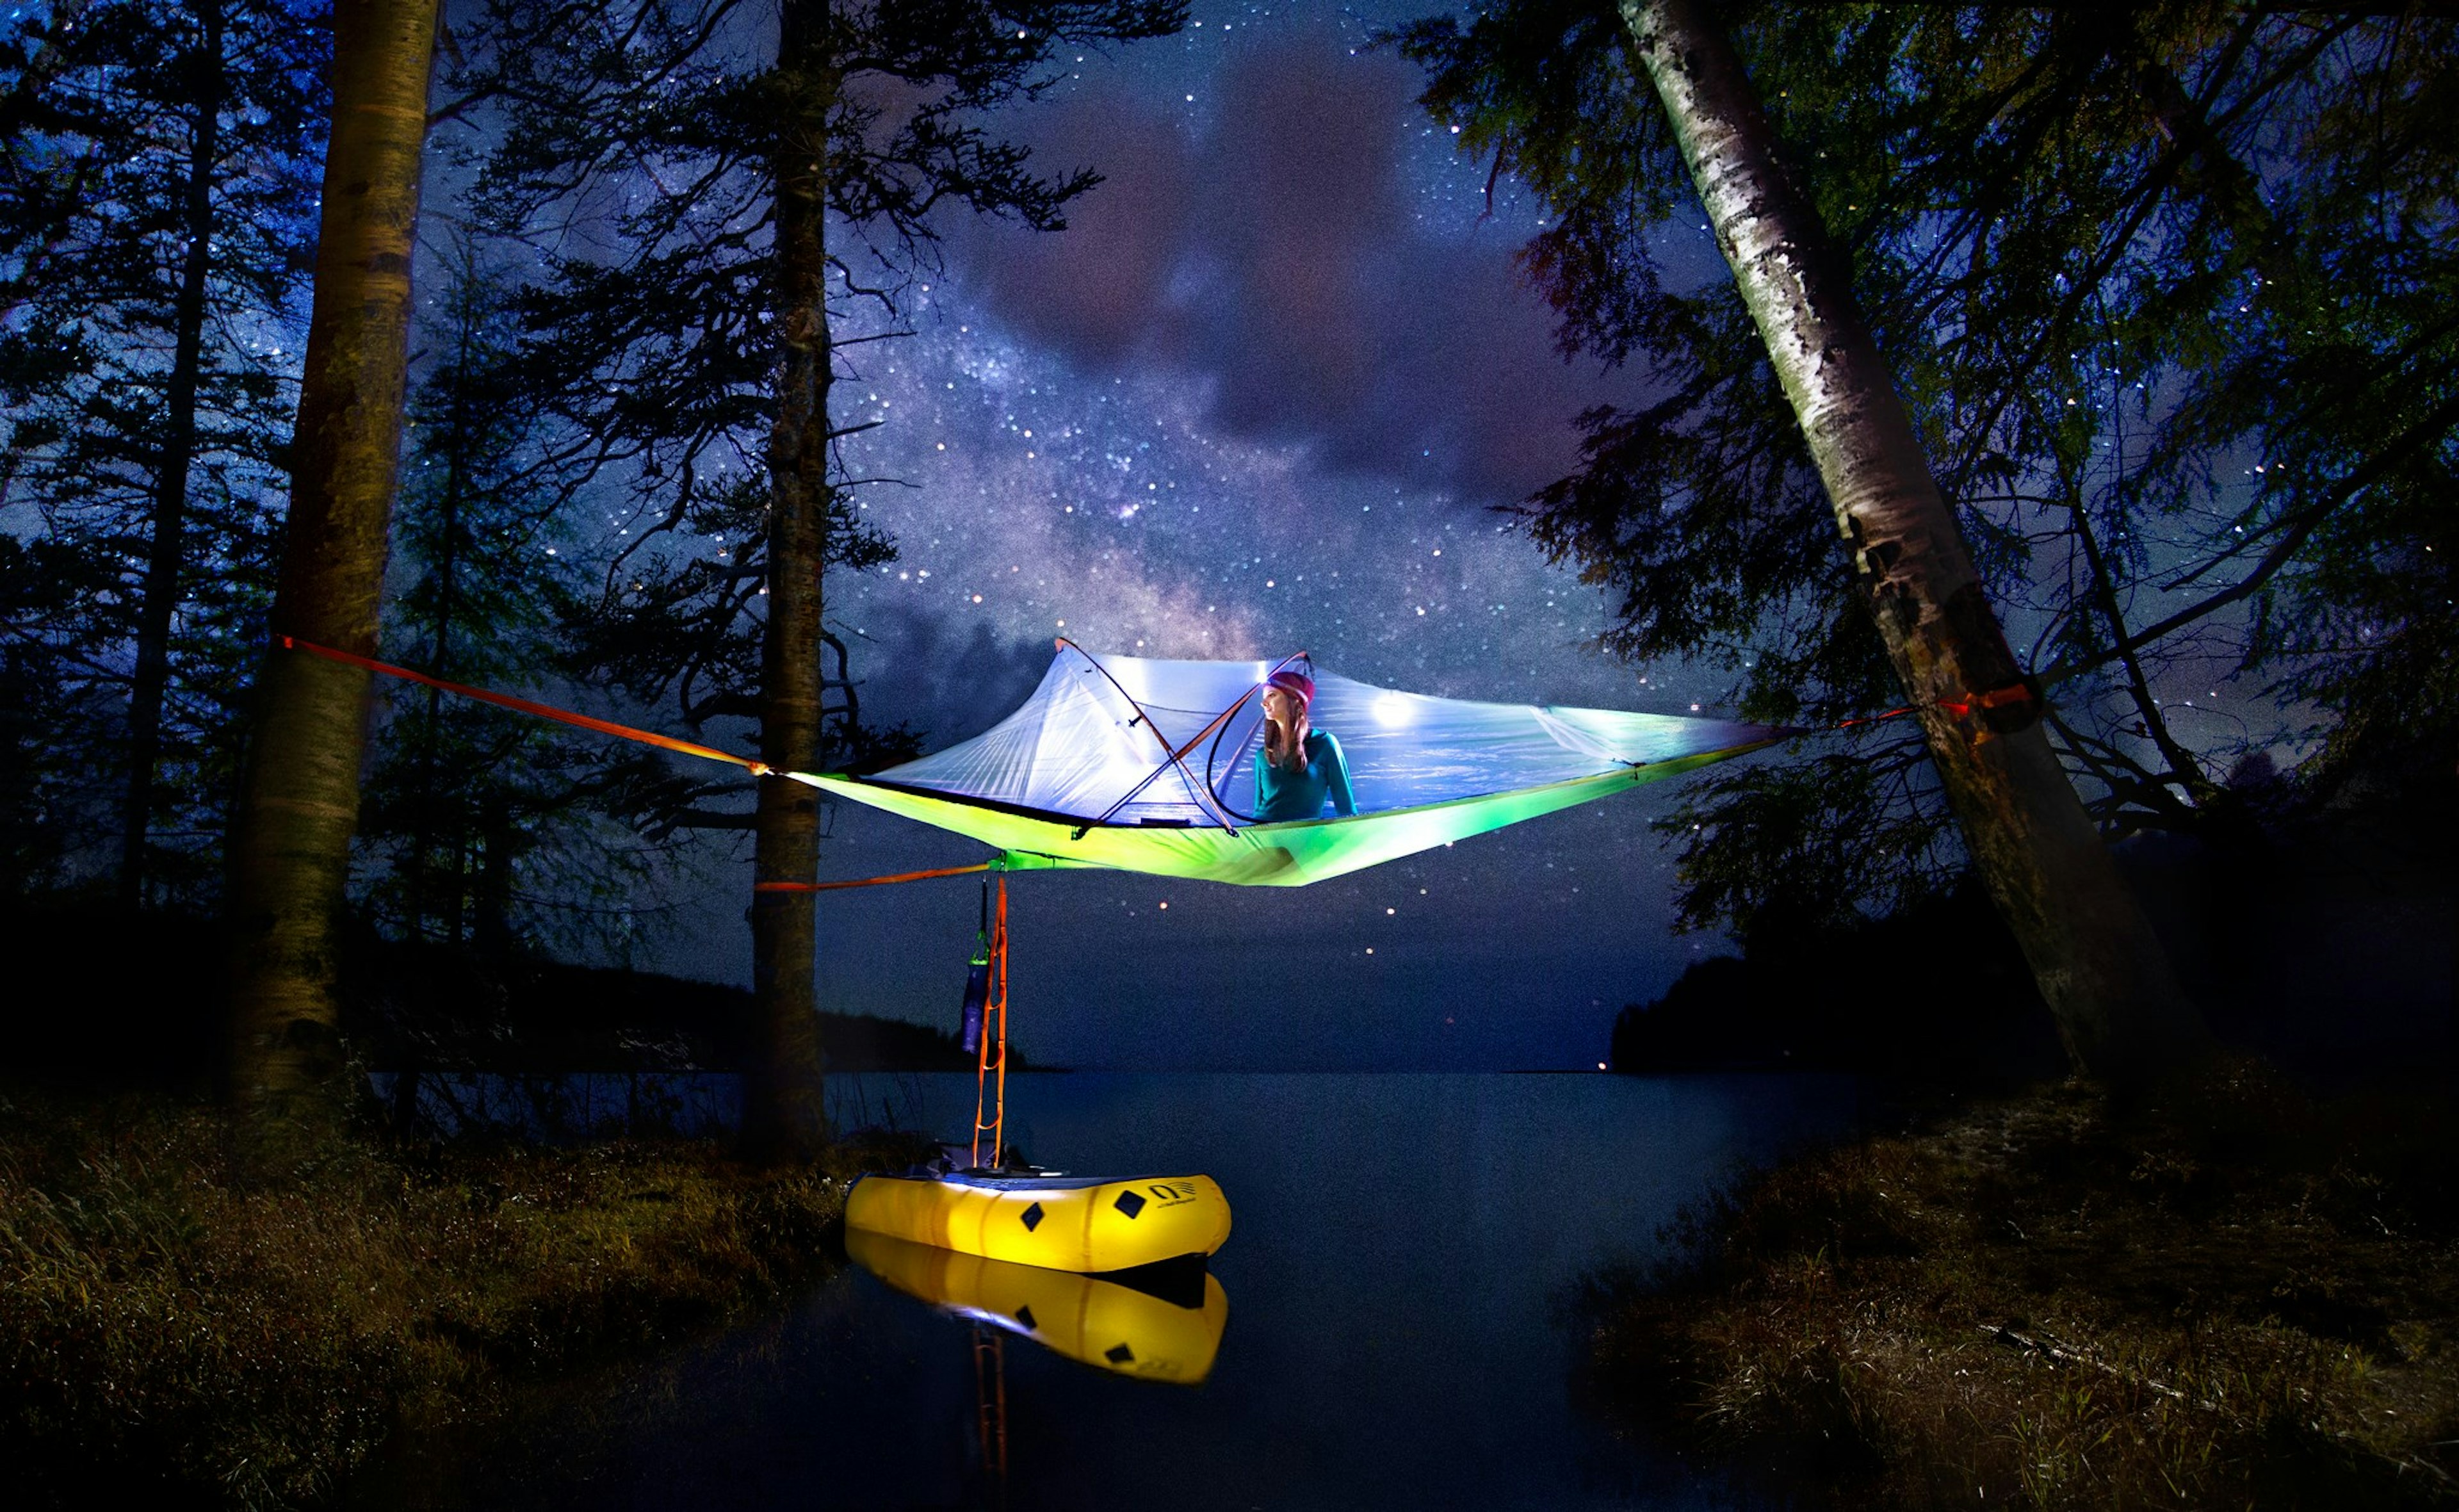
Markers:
point(978, 996)
point(978, 984)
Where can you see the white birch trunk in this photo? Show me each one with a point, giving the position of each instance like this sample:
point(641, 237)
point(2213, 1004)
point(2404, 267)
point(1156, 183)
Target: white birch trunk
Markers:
point(2106, 979)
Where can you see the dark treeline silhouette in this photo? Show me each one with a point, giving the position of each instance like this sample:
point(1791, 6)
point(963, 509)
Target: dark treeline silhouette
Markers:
point(1840, 1002)
point(2315, 948)
point(142, 1019)
point(158, 171)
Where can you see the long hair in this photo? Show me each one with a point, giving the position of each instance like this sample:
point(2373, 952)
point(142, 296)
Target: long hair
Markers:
point(1285, 747)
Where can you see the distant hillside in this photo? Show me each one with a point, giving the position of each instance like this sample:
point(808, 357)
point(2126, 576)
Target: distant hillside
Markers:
point(1938, 992)
point(2325, 941)
point(139, 1000)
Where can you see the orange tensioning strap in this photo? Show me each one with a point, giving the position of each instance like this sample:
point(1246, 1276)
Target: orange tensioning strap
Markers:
point(1995, 698)
point(1875, 719)
point(1961, 708)
point(878, 881)
point(757, 768)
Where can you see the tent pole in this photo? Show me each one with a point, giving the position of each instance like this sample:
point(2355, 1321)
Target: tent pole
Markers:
point(1174, 758)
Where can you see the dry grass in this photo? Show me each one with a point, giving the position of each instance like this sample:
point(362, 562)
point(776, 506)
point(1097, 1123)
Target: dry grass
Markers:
point(2232, 1297)
point(160, 1325)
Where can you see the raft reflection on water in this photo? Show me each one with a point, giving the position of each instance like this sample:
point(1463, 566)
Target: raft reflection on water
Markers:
point(1099, 1322)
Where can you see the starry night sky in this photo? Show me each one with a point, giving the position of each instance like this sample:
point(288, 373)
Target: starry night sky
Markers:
point(1263, 395)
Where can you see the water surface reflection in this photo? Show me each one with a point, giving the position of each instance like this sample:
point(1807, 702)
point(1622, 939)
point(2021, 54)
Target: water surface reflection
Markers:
point(1155, 1333)
point(1401, 1248)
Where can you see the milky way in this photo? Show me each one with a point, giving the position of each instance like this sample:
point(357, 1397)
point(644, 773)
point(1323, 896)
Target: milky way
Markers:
point(1263, 395)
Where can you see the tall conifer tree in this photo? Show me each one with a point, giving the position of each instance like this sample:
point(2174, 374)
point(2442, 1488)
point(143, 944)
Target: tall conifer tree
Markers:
point(695, 347)
point(481, 825)
point(159, 165)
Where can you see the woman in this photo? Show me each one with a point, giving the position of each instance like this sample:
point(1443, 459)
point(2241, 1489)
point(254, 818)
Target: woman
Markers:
point(1298, 766)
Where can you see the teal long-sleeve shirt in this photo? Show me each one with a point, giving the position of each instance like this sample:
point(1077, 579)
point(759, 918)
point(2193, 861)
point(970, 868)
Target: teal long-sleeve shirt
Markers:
point(1282, 796)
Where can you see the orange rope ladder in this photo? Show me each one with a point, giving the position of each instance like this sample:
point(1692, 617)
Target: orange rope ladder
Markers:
point(990, 1068)
point(989, 1408)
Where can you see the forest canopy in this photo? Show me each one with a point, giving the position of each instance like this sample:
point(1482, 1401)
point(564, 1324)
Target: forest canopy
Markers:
point(2170, 293)
point(585, 480)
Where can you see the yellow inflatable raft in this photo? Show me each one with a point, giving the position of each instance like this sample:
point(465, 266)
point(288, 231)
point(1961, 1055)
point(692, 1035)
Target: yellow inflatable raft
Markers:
point(1059, 1223)
point(1101, 1323)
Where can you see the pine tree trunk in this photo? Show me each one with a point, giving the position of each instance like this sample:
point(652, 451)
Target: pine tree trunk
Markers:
point(151, 681)
point(786, 1114)
point(290, 839)
point(2104, 973)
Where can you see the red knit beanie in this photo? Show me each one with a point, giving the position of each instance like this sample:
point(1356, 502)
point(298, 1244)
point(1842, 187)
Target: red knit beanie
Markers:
point(1290, 679)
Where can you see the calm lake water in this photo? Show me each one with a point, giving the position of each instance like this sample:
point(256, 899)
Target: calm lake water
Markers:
point(1397, 1332)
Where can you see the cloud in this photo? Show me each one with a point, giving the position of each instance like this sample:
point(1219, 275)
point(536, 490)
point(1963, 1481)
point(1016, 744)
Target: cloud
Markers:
point(1094, 290)
point(1282, 261)
point(949, 680)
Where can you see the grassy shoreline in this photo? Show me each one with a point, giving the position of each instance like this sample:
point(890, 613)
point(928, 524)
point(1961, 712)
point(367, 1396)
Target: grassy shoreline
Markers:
point(164, 1328)
point(2229, 1295)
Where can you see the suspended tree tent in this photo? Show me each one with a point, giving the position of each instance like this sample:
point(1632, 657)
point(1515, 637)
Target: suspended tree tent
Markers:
point(1133, 764)
point(1138, 765)
point(1141, 765)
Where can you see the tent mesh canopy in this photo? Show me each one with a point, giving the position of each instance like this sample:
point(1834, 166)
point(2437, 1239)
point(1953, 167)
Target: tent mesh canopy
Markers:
point(1148, 765)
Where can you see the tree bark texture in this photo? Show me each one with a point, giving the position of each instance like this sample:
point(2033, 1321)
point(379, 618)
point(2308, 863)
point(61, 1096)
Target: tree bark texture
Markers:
point(2102, 971)
point(160, 602)
point(786, 1113)
point(290, 838)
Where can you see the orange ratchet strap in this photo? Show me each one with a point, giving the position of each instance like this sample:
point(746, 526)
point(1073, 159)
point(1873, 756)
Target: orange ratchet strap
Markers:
point(757, 768)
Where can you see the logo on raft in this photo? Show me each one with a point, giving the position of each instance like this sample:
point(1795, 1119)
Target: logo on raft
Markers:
point(1169, 1194)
